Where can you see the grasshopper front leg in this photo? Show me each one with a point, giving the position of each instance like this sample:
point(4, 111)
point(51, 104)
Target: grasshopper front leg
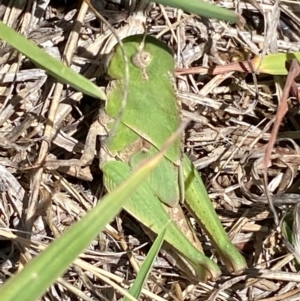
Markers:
point(200, 206)
point(76, 167)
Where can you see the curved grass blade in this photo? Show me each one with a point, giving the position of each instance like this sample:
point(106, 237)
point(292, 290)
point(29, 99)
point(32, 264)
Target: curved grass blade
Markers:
point(53, 66)
point(42, 271)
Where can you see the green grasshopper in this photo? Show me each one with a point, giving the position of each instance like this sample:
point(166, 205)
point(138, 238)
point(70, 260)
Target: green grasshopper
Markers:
point(150, 117)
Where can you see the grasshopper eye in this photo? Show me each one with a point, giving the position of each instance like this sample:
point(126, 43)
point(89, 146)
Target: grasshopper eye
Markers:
point(141, 59)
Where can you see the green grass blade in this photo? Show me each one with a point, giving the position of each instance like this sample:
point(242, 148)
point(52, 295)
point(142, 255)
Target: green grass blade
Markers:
point(43, 270)
point(274, 64)
point(146, 267)
point(53, 67)
point(201, 8)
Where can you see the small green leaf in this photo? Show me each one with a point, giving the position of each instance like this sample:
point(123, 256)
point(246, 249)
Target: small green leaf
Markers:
point(274, 64)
